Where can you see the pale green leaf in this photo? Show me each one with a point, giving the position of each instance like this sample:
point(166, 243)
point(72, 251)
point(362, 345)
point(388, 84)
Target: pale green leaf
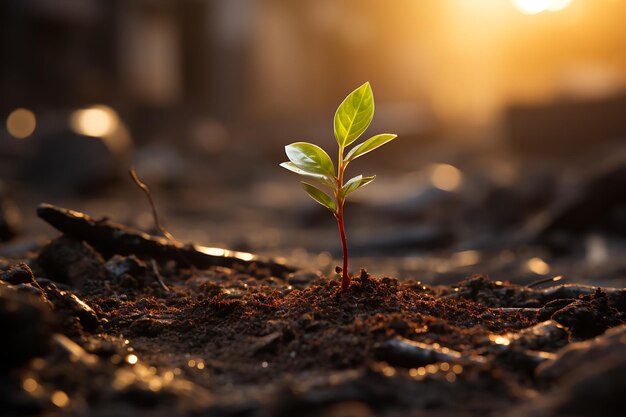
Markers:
point(321, 197)
point(369, 145)
point(310, 158)
point(310, 175)
point(355, 183)
point(354, 115)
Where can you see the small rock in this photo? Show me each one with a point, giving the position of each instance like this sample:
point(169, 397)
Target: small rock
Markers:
point(18, 274)
point(274, 282)
point(149, 327)
point(70, 307)
point(303, 278)
point(400, 326)
point(541, 336)
point(546, 312)
point(120, 265)
point(30, 289)
point(588, 316)
point(128, 281)
point(71, 262)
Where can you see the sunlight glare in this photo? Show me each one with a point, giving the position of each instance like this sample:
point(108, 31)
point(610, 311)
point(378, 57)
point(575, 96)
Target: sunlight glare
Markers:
point(556, 5)
point(531, 7)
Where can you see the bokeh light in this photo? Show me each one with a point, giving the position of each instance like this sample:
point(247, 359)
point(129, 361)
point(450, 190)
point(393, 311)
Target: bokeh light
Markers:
point(21, 123)
point(60, 399)
point(97, 121)
point(538, 266)
point(445, 177)
point(30, 385)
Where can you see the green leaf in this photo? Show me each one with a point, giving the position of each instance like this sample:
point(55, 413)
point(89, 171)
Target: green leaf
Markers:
point(355, 183)
point(310, 158)
point(369, 145)
point(321, 197)
point(354, 115)
point(310, 175)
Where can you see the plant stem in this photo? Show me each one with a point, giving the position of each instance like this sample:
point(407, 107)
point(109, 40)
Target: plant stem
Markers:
point(341, 166)
point(345, 280)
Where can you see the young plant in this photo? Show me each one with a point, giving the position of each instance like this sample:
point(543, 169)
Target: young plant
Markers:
point(311, 162)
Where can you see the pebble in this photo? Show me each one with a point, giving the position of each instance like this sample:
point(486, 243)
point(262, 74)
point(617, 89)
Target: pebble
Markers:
point(303, 278)
point(70, 262)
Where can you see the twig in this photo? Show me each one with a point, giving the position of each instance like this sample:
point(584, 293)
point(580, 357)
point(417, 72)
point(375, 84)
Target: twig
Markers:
point(158, 275)
point(409, 353)
point(109, 239)
point(155, 216)
point(544, 280)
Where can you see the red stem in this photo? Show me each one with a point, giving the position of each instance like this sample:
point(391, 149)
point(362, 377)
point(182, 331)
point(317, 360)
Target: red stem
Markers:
point(341, 166)
point(345, 280)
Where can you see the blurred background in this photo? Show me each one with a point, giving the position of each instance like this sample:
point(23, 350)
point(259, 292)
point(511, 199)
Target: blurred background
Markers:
point(511, 114)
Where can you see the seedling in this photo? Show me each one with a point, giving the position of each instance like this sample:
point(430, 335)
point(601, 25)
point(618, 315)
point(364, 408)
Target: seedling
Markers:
point(352, 118)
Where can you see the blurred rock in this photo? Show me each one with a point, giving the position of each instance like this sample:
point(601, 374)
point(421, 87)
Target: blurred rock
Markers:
point(17, 274)
point(71, 309)
point(541, 336)
point(504, 207)
point(72, 351)
point(19, 249)
point(69, 163)
point(70, 262)
point(588, 316)
point(26, 327)
point(405, 240)
point(612, 344)
point(10, 218)
point(159, 166)
point(140, 386)
point(599, 205)
point(597, 390)
point(303, 278)
point(566, 126)
point(119, 265)
point(591, 377)
point(149, 326)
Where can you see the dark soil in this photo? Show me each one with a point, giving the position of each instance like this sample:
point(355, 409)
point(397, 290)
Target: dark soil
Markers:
point(98, 336)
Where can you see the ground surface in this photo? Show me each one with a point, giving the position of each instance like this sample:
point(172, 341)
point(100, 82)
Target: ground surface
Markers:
point(93, 333)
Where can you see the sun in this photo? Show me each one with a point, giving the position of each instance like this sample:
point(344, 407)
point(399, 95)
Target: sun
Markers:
point(537, 6)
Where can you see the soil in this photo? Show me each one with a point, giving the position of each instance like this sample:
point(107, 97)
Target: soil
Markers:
point(103, 336)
